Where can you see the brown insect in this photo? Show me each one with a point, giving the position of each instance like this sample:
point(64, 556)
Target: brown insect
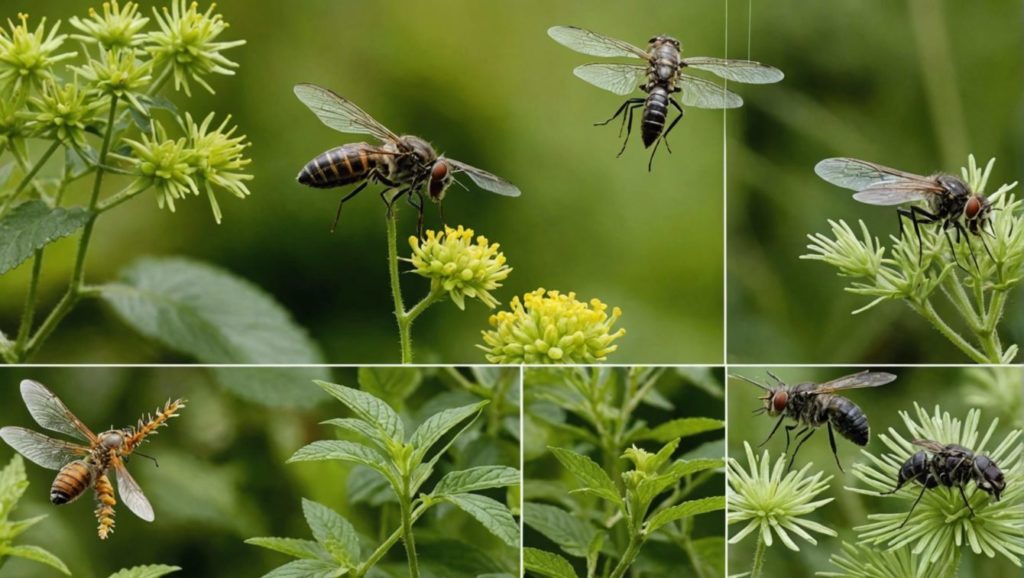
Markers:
point(79, 466)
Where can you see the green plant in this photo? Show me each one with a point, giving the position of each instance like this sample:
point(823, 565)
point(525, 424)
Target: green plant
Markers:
point(403, 465)
point(974, 276)
point(13, 484)
point(150, 571)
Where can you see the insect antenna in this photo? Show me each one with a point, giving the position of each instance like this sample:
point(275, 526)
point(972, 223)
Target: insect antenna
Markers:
point(776, 378)
point(748, 380)
point(142, 455)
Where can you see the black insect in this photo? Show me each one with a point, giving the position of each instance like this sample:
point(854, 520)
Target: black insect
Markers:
point(952, 466)
point(950, 201)
point(407, 163)
point(812, 405)
point(660, 77)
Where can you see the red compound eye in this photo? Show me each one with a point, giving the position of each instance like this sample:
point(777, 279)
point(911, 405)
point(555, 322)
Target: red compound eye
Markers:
point(438, 179)
point(779, 400)
point(972, 208)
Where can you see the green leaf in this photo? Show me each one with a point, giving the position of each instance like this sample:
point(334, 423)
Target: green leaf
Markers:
point(13, 484)
point(680, 468)
point(35, 554)
point(150, 571)
point(708, 555)
point(294, 547)
point(594, 479)
point(33, 225)
point(475, 479)
point(435, 426)
point(679, 428)
point(494, 515)
point(368, 408)
point(573, 534)
point(344, 451)
point(392, 384)
point(547, 564)
point(366, 485)
point(684, 510)
point(307, 569)
point(333, 531)
point(363, 429)
point(11, 530)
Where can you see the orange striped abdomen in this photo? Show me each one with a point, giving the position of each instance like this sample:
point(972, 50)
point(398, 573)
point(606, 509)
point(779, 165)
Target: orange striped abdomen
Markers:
point(105, 503)
point(340, 166)
point(71, 482)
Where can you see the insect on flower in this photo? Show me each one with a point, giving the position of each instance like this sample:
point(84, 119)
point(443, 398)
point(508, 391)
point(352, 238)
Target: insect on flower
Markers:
point(83, 466)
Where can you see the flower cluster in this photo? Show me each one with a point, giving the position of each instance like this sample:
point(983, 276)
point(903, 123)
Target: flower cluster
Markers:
point(27, 57)
point(118, 73)
point(459, 265)
point(64, 113)
point(219, 158)
point(551, 327)
point(117, 28)
point(186, 44)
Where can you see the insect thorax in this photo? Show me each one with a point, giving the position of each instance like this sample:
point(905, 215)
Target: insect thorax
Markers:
point(413, 162)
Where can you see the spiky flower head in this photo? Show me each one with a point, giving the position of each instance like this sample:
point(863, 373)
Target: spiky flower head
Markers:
point(860, 561)
point(187, 43)
point(219, 158)
point(165, 163)
point(117, 28)
point(460, 265)
point(770, 500)
point(63, 112)
point(14, 128)
point(941, 525)
point(27, 57)
point(117, 73)
point(551, 327)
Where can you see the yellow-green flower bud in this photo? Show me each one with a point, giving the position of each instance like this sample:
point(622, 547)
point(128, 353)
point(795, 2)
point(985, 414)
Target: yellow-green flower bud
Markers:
point(117, 28)
point(186, 42)
point(63, 113)
point(459, 265)
point(27, 58)
point(164, 163)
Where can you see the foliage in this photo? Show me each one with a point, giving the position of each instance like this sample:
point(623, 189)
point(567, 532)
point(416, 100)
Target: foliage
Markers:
point(13, 484)
point(150, 571)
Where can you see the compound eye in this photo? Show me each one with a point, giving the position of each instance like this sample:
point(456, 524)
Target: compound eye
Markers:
point(779, 400)
point(973, 207)
point(439, 176)
point(652, 40)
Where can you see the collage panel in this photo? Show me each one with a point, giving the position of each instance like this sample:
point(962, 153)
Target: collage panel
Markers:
point(343, 476)
point(855, 473)
point(623, 472)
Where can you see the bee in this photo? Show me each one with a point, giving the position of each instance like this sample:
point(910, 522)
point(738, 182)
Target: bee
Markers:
point(80, 467)
point(812, 405)
point(952, 466)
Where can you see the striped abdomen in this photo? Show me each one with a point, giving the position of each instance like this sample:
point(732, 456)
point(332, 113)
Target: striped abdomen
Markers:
point(849, 420)
point(655, 111)
point(339, 166)
point(72, 480)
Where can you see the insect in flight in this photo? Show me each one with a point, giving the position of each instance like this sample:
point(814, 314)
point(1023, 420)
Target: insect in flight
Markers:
point(660, 76)
point(950, 200)
point(85, 465)
point(812, 405)
point(952, 466)
point(407, 163)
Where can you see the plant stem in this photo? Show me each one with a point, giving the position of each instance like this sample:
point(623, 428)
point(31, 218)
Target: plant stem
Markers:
point(404, 318)
point(755, 570)
point(628, 557)
point(407, 535)
point(28, 314)
point(29, 176)
point(386, 545)
point(132, 190)
point(926, 310)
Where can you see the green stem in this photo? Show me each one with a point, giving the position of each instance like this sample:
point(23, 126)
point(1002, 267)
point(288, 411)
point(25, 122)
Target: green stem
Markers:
point(954, 291)
point(759, 551)
point(628, 557)
point(28, 314)
point(132, 190)
point(29, 176)
point(407, 536)
point(386, 545)
point(402, 317)
point(926, 310)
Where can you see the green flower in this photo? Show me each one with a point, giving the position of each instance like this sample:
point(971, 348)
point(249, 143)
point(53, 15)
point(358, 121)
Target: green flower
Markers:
point(859, 561)
point(219, 158)
point(117, 73)
point(549, 327)
point(63, 113)
point(117, 28)
point(14, 128)
point(26, 57)
point(772, 502)
point(459, 266)
point(186, 44)
point(164, 163)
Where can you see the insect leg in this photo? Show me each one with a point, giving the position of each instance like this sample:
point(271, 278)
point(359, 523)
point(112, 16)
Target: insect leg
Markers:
point(664, 135)
point(798, 445)
point(788, 429)
point(387, 201)
point(832, 442)
point(917, 216)
point(966, 501)
point(337, 216)
point(411, 199)
point(620, 110)
point(629, 127)
point(970, 247)
point(650, 161)
point(774, 429)
point(919, 496)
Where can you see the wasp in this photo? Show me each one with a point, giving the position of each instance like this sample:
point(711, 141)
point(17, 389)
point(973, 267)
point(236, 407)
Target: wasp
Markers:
point(952, 466)
point(80, 466)
point(812, 405)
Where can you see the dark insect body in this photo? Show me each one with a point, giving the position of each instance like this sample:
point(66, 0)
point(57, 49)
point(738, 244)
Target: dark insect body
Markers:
point(813, 405)
point(950, 466)
point(661, 77)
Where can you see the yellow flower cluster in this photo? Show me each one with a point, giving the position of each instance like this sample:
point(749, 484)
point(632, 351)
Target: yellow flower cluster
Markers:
point(460, 265)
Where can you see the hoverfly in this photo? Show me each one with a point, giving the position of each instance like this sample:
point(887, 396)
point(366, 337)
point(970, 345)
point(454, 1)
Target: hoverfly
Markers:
point(81, 466)
point(813, 405)
point(950, 465)
point(950, 200)
point(407, 163)
point(660, 76)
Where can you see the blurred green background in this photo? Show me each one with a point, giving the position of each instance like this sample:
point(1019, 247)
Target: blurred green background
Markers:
point(486, 85)
point(997, 392)
point(913, 84)
point(222, 476)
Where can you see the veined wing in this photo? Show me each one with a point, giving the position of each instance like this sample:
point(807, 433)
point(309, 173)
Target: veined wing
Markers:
point(131, 493)
point(856, 381)
point(618, 78)
point(484, 179)
point(745, 71)
point(894, 194)
point(700, 93)
point(51, 413)
point(932, 446)
point(40, 449)
point(857, 175)
point(339, 113)
point(592, 43)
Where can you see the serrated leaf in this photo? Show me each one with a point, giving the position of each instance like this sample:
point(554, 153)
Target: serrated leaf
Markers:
point(294, 547)
point(361, 428)
point(13, 484)
point(475, 479)
point(12, 530)
point(594, 479)
point(366, 485)
point(345, 451)
point(547, 564)
point(150, 571)
point(574, 535)
point(369, 408)
point(435, 426)
point(684, 510)
point(392, 384)
point(35, 554)
point(307, 569)
point(494, 515)
point(332, 531)
point(679, 428)
point(680, 468)
point(33, 225)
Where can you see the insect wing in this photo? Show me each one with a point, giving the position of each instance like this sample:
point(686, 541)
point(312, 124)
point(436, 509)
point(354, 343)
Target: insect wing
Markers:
point(485, 180)
point(745, 71)
point(856, 381)
point(858, 175)
point(593, 43)
point(618, 78)
point(932, 446)
point(339, 113)
point(51, 413)
point(131, 493)
point(894, 194)
point(700, 93)
point(41, 449)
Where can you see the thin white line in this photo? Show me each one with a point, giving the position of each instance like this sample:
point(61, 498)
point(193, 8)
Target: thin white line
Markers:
point(725, 296)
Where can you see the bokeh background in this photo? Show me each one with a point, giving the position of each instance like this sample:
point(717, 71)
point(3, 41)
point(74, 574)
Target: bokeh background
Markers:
point(997, 392)
point(486, 85)
point(914, 84)
point(222, 476)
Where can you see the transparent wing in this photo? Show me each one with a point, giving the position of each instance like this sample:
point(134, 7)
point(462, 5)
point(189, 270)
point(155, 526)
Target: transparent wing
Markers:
point(618, 78)
point(484, 179)
point(745, 71)
point(894, 194)
point(593, 43)
point(51, 413)
point(131, 493)
point(932, 446)
point(857, 381)
point(700, 93)
point(40, 449)
point(340, 114)
point(857, 175)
